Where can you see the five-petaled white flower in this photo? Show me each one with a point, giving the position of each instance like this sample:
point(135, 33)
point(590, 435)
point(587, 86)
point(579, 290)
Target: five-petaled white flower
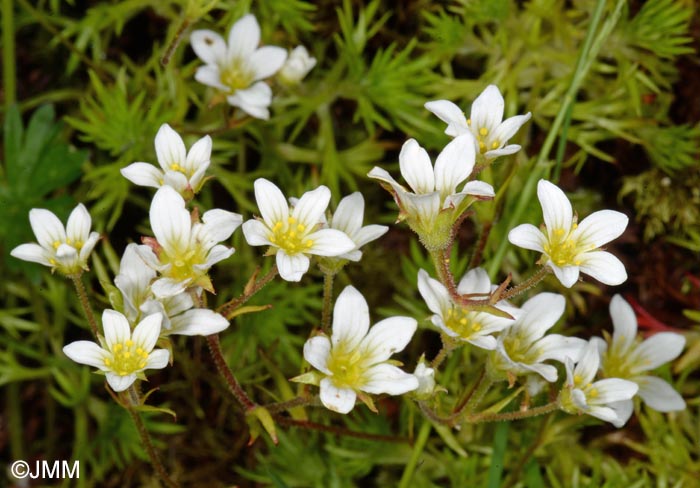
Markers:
point(297, 66)
point(183, 251)
point(625, 356)
point(182, 170)
point(455, 321)
point(134, 281)
point(66, 249)
point(523, 347)
point(486, 123)
point(434, 204)
point(294, 235)
point(122, 355)
point(605, 399)
point(570, 248)
point(237, 68)
point(355, 359)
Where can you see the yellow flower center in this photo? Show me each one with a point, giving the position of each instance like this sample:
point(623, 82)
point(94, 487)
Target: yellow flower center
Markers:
point(519, 350)
point(482, 137)
point(463, 322)
point(237, 76)
point(183, 264)
point(348, 367)
point(127, 358)
point(290, 236)
point(562, 249)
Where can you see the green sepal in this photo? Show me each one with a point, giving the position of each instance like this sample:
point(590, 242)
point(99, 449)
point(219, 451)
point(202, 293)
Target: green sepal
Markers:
point(260, 416)
point(247, 309)
point(310, 378)
point(367, 400)
point(151, 408)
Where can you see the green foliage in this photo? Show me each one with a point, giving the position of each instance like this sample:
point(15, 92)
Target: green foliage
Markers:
point(37, 162)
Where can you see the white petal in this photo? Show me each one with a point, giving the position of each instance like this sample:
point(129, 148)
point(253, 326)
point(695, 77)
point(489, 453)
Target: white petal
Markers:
point(607, 414)
point(292, 268)
point(267, 61)
point(86, 352)
point(47, 228)
point(479, 189)
point(587, 366)
point(509, 127)
point(350, 319)
point(216, 254)
point(382, 175)
point(33, 253)
point(254, 100)
point(340, 400)
point(614, 390)
point(556, 208)
point(168, 287)
point(243, 37)
point(434, 293)
point(657, 350)
point(78, 225)
point(120, 383)
point(454, 164)
point(527, 236)
point(386, 378)
point(311, 206)
point(623, 410)
point(547, 371)
point(89, 245)
point(659, 395)
point(209, 46)
point(176, 180)
point(147, 331)
point(416, 167)
point(624, 324)
point(198, 322)
point(476, 280)
point(540, 313)
point(425, 206)
point(369, 233)
point(487, 109)
point(170, 221)
point(387, 337)
point(604, 267)
point(256, 233)
point(451, 114)
point(115, 327)
point(158, 359)
point(348, 216)
point(143, 174)
point(600, 228)
point(271, 202)
point(487, 343)
point(210, 75)
point(330, 242)
point(316, 352)
point(170, 149)
point(558, 348)
point(504, 151)
point(67, 256)
point(218, 226)
point(567, 275)
point(198, 155)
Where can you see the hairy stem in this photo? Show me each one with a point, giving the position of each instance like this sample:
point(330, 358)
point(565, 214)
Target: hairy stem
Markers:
point(328, 279)
point(77, 280)
point(131, 400)
point(306, 424)
point(525, 285)
point(300, 401)
point(234, 386)
point(520, 414)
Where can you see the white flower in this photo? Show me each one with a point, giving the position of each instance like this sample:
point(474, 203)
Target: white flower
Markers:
point(457, 322)
point(184, 251)
point(297, 66)
point(66, 249)
point(355, 359)
point(625, 356)
point(182, 170)
point(602, 399)
point(569, 248)
point(294, 235)
point(348, 219)
point(434, 190)
point(426, 380)
point(523, 347)
point(237, 68)
point(134, 281)
point(486, 122)
point(123, 355)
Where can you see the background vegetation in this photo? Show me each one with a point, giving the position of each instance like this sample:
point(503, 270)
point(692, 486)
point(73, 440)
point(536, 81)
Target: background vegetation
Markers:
point(86, 84)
